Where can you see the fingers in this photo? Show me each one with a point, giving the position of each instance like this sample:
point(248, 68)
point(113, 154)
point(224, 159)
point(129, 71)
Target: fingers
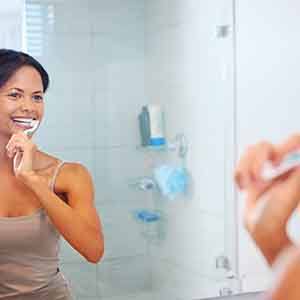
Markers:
point(14, 148)
point(264, 151)
point(16, 143)
point(248, 171)
point(289, 145)
point(249, 168)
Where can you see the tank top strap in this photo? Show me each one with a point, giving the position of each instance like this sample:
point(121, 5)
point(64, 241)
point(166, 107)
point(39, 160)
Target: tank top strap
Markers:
point(57, 169)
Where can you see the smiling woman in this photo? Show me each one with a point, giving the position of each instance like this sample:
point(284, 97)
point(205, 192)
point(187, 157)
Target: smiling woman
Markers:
point(43, 197)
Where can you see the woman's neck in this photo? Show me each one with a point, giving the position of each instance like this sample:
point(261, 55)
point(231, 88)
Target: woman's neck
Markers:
point(6, 163)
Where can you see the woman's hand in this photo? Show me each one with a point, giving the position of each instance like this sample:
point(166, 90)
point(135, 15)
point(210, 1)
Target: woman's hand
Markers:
point(21, 148)
point(269, 205)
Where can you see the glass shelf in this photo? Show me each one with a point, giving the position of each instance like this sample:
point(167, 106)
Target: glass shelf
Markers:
point(165, 147)
point(179, 144)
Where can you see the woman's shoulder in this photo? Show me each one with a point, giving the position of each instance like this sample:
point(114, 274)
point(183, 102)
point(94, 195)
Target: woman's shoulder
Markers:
point(46, 161)
point(70, 171)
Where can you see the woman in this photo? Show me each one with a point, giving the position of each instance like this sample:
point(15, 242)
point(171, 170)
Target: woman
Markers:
point(42, 197)
point(269, 206)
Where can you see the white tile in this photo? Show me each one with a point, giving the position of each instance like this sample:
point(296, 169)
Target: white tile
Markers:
point(201, 241)
point(121, 240)
point(69, 254)
point(72, 81)
point(101, 50)
point(64, 20)
point(116, 168)
point(136, 296)
point(118, 47)
point(68, 110)
point(82, 278)
point(84, 156)
point(87, 298)
point(119, 92)
point(68, 51)
point(161, 14)
point(174, 282)
point(123, 276)
point(118, 117)
point(115, 15)
point(65, 135)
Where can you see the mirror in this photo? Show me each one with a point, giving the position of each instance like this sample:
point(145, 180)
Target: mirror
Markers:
point(106, 60)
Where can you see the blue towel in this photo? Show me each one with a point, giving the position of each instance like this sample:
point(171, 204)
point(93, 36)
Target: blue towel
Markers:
point(171, 181)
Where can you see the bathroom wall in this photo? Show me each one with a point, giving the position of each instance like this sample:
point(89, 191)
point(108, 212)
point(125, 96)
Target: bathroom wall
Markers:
point(189, 72)
point(268, 94)
point(95, 56)
point(11, 18)
point(108, 58)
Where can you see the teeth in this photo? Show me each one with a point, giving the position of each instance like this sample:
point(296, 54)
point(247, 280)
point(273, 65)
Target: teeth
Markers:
point(23, 120)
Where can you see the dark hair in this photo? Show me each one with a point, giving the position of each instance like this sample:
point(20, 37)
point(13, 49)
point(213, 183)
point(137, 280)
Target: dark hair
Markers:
point(11, 61)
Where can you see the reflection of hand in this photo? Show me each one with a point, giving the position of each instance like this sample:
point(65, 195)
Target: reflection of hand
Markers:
point(22, 149)
point(269, 205)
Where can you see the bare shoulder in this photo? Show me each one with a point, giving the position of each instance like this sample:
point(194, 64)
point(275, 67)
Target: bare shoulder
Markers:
point(70, 175)
point(73, 176)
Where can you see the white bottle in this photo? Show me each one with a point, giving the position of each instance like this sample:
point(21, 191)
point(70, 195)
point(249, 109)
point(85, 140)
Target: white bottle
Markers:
point(156, 124)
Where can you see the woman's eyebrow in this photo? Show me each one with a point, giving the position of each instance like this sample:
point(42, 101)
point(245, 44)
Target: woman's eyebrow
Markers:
point(22, 91)
point(18, 89)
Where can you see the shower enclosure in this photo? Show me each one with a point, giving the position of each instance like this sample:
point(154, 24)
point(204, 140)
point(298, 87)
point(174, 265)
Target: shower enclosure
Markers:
point(106, 59)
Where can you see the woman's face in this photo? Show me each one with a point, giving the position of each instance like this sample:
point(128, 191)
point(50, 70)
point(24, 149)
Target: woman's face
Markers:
point(21, 97)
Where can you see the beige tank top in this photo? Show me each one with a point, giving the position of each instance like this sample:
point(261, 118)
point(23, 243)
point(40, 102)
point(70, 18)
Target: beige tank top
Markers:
point(29, 256)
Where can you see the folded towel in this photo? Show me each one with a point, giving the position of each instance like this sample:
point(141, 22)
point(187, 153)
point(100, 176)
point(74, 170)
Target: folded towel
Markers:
point(171, 181)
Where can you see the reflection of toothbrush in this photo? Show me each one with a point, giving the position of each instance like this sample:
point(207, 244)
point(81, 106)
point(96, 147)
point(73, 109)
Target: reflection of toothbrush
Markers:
point(291, 161)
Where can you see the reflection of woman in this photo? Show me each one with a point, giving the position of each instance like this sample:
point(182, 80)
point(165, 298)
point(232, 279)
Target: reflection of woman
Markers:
point(42, 197)
point(269, 206)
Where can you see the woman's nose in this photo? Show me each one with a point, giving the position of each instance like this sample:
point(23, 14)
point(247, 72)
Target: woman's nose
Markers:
point(27, 104)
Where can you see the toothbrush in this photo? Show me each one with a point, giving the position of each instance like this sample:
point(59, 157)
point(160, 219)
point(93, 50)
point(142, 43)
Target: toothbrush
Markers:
point(34, 124)
point(29, 131)
point(290, 161)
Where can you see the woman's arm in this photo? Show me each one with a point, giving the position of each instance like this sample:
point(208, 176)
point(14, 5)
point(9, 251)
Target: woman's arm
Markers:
point(287, 273)
point(266, 216)
point(268, 205)
point(78, 220)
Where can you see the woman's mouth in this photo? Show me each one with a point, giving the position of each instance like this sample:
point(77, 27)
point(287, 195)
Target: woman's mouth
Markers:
point(24, 123)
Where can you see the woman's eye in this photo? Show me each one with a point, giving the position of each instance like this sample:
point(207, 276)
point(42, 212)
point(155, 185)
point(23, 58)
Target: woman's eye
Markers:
point(38, 98)
point(14, 96)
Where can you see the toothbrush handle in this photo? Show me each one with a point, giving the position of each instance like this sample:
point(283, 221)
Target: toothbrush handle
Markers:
point(270, 172)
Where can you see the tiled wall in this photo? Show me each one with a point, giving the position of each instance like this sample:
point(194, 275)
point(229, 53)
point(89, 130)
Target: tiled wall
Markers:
point(11, 24)
point(106, 59)
point(95, 56)
point(188, 71)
